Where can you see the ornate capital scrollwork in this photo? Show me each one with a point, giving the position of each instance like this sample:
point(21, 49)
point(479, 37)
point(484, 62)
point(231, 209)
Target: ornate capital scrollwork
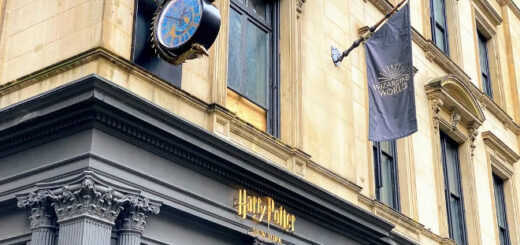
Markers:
point(41, 217)
point(135, 215)
point(41, 214)
point(87, 199)
point(436, 108)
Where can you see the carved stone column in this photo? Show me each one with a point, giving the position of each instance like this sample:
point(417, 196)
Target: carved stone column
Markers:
point(86, 211)
point(133, 221)
point(43, 221)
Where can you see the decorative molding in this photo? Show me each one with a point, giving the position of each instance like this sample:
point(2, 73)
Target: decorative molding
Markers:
point(41, 217)
point(456, 98)
point(383, 5)
point(299, 8)
point(457, 135)
point(436, 108)
point(135, 215)
point(484, 26)
point(296, 160)
point(514, 8)
point(236, 125)
point(350, 185)
point(495, 109)
point(489, 11)
point(406, 222)
point(500, 167)
point(473, 132)
point(434, 54)
point(502, 149)
point(21, 239)
point(151, 128)
point(87, 199)
point(92, 55)
point(133, 222)
point(455, 118)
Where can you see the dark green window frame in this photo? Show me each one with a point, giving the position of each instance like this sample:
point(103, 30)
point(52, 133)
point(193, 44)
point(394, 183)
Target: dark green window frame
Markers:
point(386, 175)
point(439, 25)
point(500, 205)
point(484, 64)
point(453, 190)
point(241, 65)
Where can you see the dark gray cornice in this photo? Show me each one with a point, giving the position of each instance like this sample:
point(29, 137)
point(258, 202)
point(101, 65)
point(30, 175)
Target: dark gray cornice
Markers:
point(93, 102)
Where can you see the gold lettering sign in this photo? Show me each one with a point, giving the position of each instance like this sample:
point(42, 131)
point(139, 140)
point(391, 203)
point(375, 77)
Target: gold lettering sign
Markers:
point(262, 234)
point(263, 209)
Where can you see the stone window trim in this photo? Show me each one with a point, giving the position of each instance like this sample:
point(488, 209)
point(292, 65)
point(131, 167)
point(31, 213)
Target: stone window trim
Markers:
point(452, 26)
point(392, 173)
point(89, 202)
point(486, 22)
point(457, 113)
point(406, 187)
point(502, 157)
point(489, 12)
point(451, 95)
point(501, 161)
point(291, 15)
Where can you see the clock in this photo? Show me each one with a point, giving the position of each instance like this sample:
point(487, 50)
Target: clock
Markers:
point(184, 29)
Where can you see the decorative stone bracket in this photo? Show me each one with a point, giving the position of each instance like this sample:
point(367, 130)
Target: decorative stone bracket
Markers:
point(451, 95)
point(299, 7)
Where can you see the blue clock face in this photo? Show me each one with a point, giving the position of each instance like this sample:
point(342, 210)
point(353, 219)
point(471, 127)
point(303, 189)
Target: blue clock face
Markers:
point(177, 22)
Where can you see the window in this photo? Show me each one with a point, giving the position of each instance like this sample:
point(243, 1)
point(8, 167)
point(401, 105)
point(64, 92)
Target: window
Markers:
point(484, 64)
point(500, 204)
point(438, 24)
point(385, 161)
point(142, 51)
point(253, 59)
point(453, 190)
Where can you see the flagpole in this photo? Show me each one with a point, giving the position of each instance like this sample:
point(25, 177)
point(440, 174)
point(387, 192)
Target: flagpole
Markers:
point(337, 57)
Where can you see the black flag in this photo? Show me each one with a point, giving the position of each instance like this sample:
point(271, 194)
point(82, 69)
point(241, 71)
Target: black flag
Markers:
point(390, 79)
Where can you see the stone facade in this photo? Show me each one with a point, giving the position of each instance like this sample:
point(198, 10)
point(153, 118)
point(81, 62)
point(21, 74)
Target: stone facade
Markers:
point(46, 44)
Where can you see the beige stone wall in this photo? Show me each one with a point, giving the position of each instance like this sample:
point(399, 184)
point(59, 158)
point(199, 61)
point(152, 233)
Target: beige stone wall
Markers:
point(325, 108)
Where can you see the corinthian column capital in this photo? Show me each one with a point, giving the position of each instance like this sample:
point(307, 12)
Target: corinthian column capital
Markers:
point(135, 214)
point(41, 217)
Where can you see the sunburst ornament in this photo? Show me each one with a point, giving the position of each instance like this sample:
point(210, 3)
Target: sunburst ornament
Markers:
point(392, 72)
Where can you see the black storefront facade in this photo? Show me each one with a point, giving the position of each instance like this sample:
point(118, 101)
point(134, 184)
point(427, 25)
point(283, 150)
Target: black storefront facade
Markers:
point(91, 163)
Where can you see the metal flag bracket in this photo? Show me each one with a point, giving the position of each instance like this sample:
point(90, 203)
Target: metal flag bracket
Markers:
point(337, 56)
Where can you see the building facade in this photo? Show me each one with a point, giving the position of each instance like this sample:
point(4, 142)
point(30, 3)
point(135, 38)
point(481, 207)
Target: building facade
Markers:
point(264, 141)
